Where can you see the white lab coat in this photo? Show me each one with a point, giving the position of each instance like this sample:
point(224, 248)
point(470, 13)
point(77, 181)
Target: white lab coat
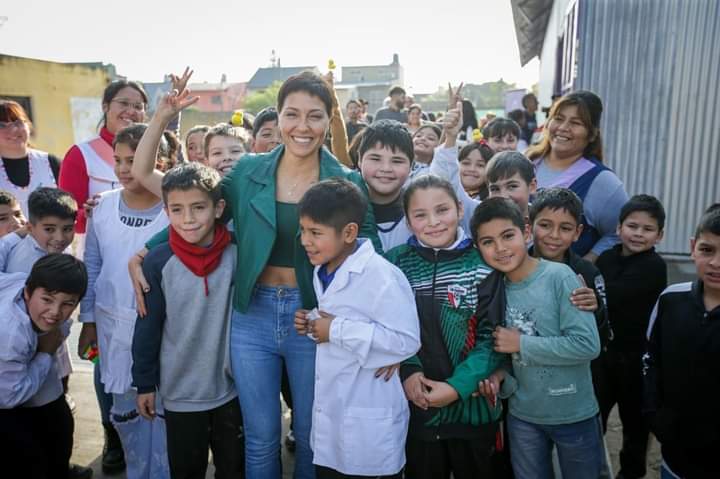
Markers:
point(114, 309)
point(27, 378)
point(360, 422)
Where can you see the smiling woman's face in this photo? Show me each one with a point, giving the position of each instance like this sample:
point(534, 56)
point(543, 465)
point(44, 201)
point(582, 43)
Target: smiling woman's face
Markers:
point(303, 122)
point(569, 135)
point(126, 108)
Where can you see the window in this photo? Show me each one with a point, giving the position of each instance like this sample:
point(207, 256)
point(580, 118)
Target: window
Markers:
point(569, 45)
point(216, 100)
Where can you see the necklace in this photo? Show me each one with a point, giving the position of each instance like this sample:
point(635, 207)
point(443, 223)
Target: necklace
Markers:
point(291, 190)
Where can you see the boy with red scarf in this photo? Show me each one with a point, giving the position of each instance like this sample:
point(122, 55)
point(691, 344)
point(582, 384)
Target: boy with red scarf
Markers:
point(180, 349)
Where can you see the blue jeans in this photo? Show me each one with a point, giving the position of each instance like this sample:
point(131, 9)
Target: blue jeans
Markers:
point(144, 442)
point(579, 447)
point(259, 341)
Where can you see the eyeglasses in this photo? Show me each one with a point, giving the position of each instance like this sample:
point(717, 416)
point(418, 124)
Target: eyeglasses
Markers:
point(6, 125)
point(126, 105)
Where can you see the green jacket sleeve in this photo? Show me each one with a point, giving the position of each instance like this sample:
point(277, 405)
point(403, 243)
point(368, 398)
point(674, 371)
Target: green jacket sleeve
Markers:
point(409, 367)
point(158, 238)
point(480, 363)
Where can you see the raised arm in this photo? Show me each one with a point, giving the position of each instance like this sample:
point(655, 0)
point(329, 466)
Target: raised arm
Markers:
point(445, 163)
point(170, 106)
point(338, 133)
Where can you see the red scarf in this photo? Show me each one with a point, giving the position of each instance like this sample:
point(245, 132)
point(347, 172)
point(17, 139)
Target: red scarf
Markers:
point(201, 261)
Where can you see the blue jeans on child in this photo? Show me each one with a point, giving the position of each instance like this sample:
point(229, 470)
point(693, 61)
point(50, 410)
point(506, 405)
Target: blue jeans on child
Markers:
point(144, 442)
point(259, 341)
point(579, 447)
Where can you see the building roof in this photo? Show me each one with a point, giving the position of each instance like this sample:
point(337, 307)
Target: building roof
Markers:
point(531, 20)
point(264, 77)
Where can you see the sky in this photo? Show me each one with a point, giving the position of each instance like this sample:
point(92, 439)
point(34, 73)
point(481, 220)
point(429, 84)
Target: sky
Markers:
point(437, 41)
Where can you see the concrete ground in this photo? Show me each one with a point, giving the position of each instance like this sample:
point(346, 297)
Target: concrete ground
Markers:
point(88, 445)
point(87, 449)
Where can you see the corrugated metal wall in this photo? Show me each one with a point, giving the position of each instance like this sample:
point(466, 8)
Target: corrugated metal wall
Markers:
point(656, 65)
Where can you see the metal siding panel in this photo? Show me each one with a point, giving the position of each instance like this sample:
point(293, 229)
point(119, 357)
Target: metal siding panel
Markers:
point(655, 65)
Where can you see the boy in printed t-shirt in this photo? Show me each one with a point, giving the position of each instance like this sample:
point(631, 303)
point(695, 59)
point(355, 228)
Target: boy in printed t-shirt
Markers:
point(551, 400)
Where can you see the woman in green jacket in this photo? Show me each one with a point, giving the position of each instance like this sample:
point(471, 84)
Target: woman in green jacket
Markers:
point(273, 276)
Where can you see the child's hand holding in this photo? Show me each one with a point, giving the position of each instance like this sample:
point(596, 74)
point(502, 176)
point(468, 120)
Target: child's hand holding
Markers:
point(415, 390)
point(146, 405)
point(439, 393)
point(90, 205)
point(320, 328)
point(50, 341)
point(140, 284)
point(387, 371)
point(301, 321)
point(489, 388)
point(584, 298)
point(88, 336)
point(507, 340)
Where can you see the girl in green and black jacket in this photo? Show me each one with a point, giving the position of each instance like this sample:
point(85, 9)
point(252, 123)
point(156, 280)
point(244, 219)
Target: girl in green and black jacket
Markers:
point(451, 429)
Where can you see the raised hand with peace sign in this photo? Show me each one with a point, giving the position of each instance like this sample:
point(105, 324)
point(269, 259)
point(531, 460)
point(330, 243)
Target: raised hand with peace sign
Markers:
point(452, 122)
point(454, 95)
point(178, 99)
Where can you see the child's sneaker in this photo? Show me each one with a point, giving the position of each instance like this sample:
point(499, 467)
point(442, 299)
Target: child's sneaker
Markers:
point(76, 471)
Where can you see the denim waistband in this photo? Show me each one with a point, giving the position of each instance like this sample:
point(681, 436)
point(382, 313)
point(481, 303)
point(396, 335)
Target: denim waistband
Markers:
point(284, 292)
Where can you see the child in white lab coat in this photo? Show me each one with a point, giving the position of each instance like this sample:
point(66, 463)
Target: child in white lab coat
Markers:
point(366, 320)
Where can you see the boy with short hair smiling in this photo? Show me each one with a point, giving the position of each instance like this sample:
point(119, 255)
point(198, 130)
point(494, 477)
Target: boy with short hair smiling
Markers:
point(385, 159)
point(36, 425)
point(635, 275)
point(556, 222)
point(180, 349)
point(11, 215)
point(51, 229)
point(511, 175)
point(551, 342)
point(366, 320)
point(683, 357)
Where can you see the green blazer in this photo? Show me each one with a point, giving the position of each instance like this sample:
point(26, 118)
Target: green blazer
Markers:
point(249, 191)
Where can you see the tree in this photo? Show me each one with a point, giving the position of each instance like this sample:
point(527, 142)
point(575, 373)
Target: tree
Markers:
point(258, 100)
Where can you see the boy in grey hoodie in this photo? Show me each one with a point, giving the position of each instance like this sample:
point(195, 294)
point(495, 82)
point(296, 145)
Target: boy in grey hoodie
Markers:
point(181, 348)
